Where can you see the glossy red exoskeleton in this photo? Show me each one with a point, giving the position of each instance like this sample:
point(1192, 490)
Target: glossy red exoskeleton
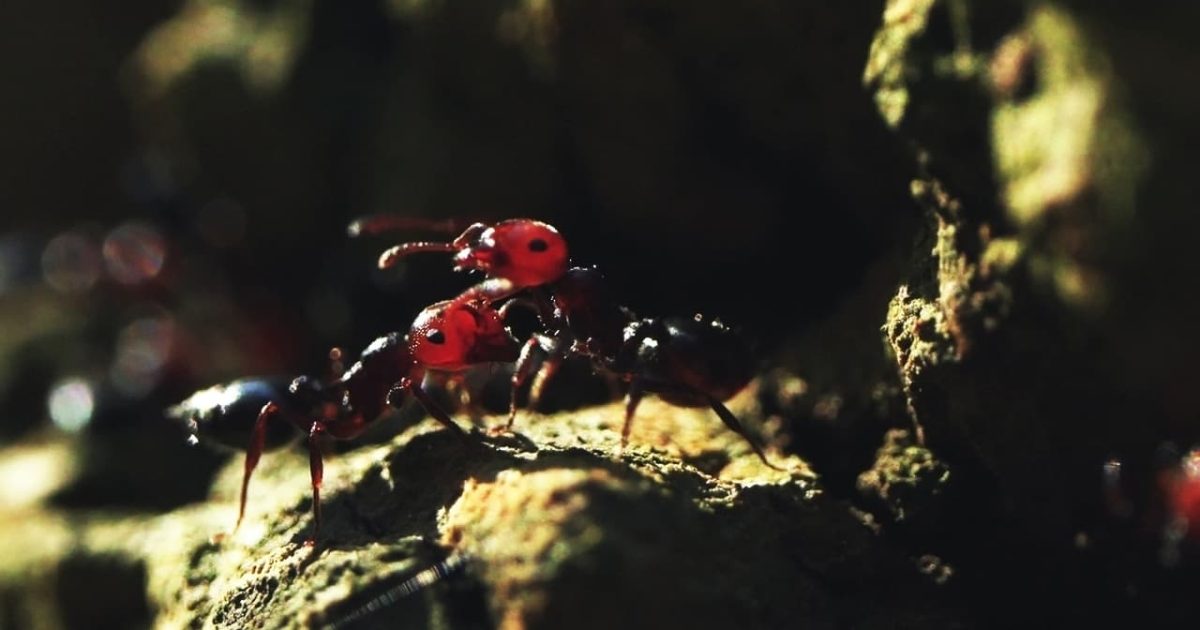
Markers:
point(445, 337)
point(688, 362)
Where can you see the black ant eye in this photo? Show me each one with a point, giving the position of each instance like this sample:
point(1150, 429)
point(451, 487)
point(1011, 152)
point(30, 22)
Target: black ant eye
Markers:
point(436, 336)
point(538, 245)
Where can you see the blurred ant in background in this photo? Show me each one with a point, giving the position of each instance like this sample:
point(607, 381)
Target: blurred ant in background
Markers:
point(1163, 506)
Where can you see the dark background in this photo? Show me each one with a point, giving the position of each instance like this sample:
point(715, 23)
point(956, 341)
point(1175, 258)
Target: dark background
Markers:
point(733, 169)
point(707, 156)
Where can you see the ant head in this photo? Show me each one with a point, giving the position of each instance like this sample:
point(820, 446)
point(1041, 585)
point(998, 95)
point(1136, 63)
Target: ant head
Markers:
point(449, 336)
point(526, 252)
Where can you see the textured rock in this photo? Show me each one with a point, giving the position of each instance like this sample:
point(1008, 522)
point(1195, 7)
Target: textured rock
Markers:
point(549, 528)
point(1021, 335)
point(907, 479)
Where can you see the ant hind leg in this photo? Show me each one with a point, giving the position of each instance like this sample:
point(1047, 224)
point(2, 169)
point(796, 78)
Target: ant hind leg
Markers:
point(316, 468)
point(735, 425)
point(254, 452)
point(633, 398)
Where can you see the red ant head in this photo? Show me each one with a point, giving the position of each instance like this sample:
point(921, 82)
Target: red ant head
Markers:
point(453, 337)
point(526, 252)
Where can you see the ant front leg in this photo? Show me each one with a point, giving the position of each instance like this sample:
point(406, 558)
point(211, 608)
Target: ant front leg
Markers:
point(549, 368)
point(545, 317)
point(257, 442)
point(316, 469)
point(537, 302)
point(555, 353)
point(430, 405)
point(520, 373)
point(488, 291)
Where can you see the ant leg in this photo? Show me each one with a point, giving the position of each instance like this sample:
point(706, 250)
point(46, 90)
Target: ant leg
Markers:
point(432, 407)
point(538, 302)
point(735, 425)
point(549, 368)
point(487, 291)
point(458, 386)
point(632, 399)
point(257, 442)
point(316, 468)
point(520, 373)
point(532, 305)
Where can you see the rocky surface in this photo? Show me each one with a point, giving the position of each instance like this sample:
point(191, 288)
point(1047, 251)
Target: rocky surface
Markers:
point(1018, 334)
point(551, 527)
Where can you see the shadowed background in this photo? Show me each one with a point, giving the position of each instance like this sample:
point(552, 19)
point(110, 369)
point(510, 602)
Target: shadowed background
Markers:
point(176, 179)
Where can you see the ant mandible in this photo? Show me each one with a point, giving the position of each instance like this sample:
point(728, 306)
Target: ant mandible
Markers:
point(445, 337)
point(689, 363)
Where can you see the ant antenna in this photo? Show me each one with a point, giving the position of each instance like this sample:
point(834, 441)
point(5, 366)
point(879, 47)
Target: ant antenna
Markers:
point(375, 224)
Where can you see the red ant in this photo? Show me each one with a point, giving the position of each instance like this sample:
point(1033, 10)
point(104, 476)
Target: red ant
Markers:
point(444, 337)
point(690, 363)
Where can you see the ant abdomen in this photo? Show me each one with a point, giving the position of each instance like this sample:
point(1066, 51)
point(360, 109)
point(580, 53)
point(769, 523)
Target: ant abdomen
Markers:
point(225, 414)
point(690, 359)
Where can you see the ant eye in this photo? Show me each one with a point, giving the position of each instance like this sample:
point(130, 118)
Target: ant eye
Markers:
point(538, 245)
point(436, 336)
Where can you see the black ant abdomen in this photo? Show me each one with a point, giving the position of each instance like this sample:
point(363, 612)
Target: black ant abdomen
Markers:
point(687, 361)
point(225, 414)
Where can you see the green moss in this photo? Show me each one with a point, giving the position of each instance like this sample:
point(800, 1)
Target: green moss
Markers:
point(1070, 133)
point(260, 44)
point(887, 71)
point(1067, 158)
point(906, 479)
